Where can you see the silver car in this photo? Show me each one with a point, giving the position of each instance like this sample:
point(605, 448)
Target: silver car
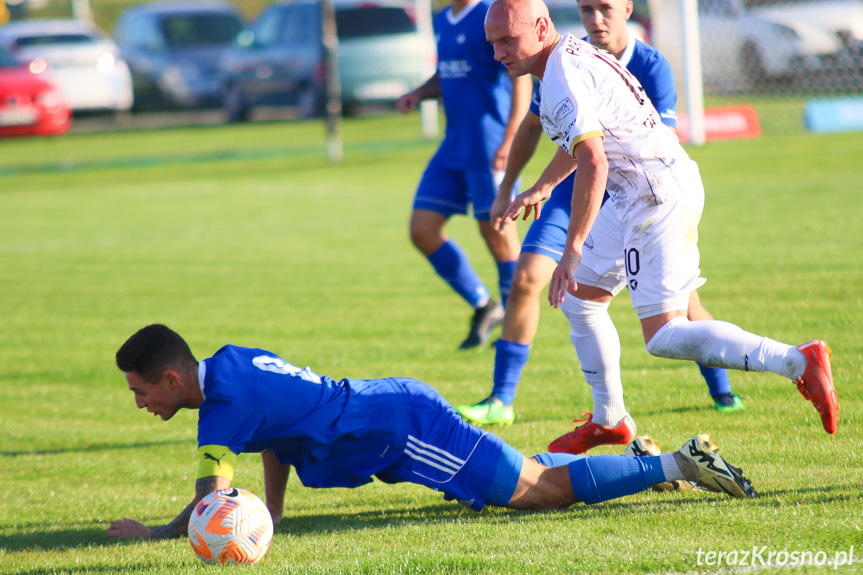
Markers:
point(81, 60)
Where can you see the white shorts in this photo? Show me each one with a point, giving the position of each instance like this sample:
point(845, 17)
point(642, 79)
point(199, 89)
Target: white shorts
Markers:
point(651, 250)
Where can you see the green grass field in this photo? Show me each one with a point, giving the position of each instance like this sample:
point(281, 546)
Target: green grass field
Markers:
point(247, 235)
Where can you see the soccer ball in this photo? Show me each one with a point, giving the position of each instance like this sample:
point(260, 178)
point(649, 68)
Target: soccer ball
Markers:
point(230, 526)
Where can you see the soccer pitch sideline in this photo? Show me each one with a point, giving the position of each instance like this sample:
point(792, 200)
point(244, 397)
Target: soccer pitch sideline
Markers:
point(247, 235)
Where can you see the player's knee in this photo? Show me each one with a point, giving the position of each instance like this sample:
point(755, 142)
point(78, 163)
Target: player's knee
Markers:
point(527, 280)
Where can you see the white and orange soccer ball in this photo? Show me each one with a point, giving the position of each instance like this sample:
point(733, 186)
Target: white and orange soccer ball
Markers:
point(230, 526)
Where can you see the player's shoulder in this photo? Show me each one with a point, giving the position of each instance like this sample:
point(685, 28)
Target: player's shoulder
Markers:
point(647, 55)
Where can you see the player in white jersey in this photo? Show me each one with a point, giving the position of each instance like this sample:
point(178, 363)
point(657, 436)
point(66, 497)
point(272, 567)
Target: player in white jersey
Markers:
point(645, 236)
point(542, 246)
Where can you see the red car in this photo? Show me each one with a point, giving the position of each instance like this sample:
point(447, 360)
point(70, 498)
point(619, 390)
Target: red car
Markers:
point(28, 103)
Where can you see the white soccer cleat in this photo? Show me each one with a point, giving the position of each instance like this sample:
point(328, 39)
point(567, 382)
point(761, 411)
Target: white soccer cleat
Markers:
point(700, 462)
point(646, 446)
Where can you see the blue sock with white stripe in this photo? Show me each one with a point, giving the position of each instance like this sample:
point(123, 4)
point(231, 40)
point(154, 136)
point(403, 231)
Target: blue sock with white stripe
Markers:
point(509, 361)
point(603, 477)
point(716, 378)
point(452, 264)
point(505, 271)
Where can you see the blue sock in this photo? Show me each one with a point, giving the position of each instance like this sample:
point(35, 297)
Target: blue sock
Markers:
point(452, 264)
point(509, 361)
point(505, 271)
point(716, 378)
point(557, 459)
point(602, 477)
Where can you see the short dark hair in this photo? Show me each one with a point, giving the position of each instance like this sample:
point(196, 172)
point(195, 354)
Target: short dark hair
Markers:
point(152, 350)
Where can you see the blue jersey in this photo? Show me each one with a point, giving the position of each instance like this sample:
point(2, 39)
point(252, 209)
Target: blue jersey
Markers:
point(336, 434)
point(476, 89)
point(653, 71)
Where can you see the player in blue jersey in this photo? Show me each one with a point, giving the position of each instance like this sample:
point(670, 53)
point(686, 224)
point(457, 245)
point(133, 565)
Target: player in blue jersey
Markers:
point(344, 433)
point(605, 22)
point(483, 108)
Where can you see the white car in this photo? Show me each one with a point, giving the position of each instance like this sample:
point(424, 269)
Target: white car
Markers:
point(81, 60)
point(791, 39)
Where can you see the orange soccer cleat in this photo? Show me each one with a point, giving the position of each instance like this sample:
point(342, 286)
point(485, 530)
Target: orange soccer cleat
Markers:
point(590, 435)
point(816, 385)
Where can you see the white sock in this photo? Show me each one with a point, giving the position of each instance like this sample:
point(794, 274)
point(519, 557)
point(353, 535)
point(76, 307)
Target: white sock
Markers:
point(722, 344)
point(598, 348)
point(670, 468)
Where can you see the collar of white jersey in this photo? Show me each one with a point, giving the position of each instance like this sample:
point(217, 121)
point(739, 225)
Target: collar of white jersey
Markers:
point(202, 374)
point(456, 18)
point(627, 53)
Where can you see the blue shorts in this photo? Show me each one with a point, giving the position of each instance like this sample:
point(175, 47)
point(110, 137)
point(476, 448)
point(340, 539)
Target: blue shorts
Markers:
point(444, 452)
point(547, 235)
point(448, 191)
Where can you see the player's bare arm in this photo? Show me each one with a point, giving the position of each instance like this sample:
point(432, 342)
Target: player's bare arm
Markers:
point(427, 91)
point(522, 88)
point(275, 481)
point(588, 190)
point(131, 529)
point(561, 166)
point(523, 147)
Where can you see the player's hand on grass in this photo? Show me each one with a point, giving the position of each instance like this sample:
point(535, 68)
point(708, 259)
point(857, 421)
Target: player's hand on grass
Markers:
point(129, 529)
point(563, 278)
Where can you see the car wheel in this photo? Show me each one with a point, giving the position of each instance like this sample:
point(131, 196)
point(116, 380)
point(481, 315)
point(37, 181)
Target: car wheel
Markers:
point(236, 107)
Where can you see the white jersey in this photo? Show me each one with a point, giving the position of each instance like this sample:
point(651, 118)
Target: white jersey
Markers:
point(587, 93)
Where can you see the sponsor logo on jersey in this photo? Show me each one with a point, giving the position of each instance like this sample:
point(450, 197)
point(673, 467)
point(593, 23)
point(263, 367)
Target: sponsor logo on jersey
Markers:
point(633, 285)
point(448, 69)
point(460, 39)
point(564, 109)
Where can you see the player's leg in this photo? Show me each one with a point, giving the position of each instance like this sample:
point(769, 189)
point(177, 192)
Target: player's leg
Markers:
point(540, 252)
point(442, 193)
point(715, 377)
point(600, 277)
point(550, 481)
point(665, 283)
point(513, 348)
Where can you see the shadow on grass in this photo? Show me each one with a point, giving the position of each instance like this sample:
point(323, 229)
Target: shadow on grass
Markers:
point(92, 447)
point(46, 538)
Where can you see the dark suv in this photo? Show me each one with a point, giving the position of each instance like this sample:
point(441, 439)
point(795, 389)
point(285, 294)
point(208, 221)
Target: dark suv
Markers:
point(278, 60)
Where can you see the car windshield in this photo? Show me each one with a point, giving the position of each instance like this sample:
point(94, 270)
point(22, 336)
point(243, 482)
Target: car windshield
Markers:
point(52, 39)
point(184, 30)
point(373, 21)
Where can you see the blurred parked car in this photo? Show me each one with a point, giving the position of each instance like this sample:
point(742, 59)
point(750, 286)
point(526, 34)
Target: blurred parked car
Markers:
point(278, 60)
point(29, 104)
point(750, 43)
point(80, 59)
point(173, 49)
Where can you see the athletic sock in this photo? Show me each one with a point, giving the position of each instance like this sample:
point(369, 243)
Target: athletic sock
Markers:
point(557, 459)
point(602, 477)
point(452, 264)
point(509, 361)
point(670, 468)
point(721, 344)
point(505, 271)
point(598, 348)
point(716, 378)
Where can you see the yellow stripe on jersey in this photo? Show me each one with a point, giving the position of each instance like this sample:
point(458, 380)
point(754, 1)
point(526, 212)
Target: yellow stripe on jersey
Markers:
point(216, 460)
point(583, 137)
